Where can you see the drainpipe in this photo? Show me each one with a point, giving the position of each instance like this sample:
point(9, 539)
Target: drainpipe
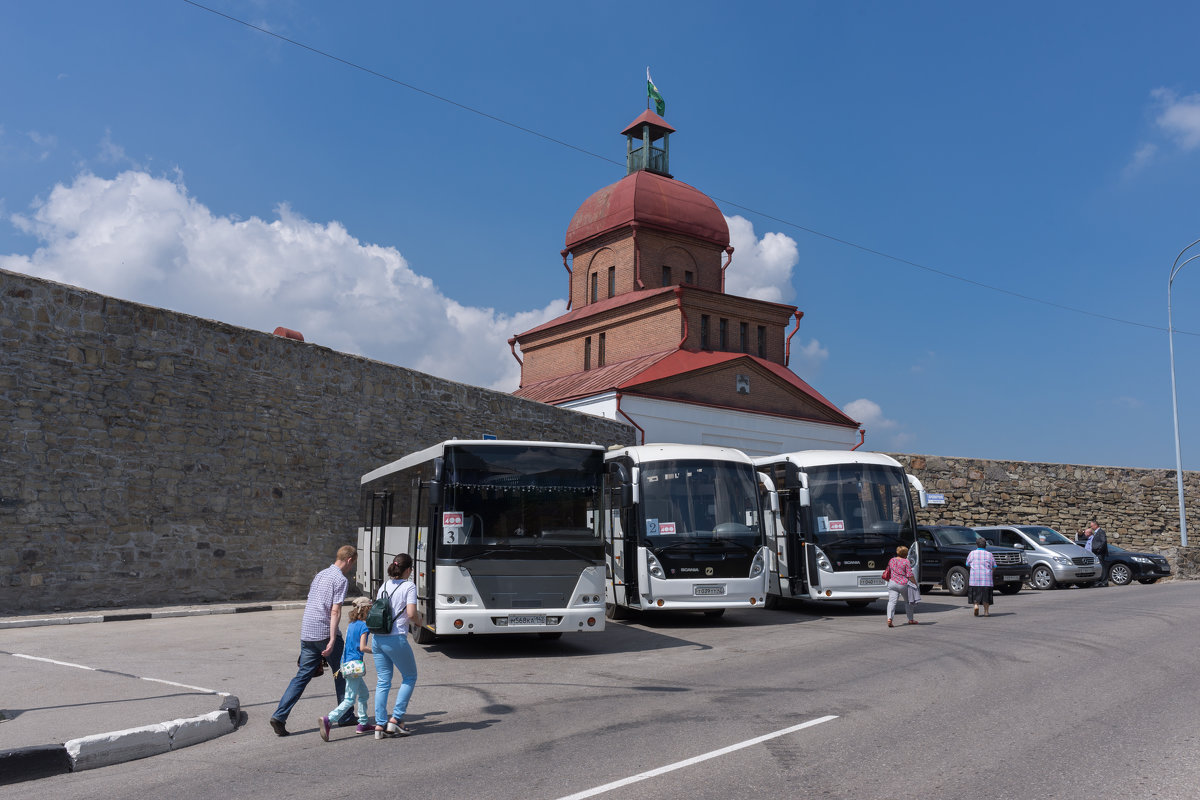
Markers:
point(631, 422)
point(729, 260)
point(862, 437)
point(637, 258)
point(564, 255)
point(787, 351)
point(682, 314)
point(512, 345)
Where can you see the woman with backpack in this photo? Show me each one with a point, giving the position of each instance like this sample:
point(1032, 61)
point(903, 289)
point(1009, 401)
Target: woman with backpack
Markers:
point(392, 650)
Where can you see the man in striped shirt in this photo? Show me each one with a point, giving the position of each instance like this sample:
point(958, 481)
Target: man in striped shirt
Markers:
point(320, 635)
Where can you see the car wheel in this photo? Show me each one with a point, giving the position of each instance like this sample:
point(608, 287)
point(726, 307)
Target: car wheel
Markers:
point(858, 603)
point(957, 580)
point(1042, 577)
point(1147, 580)
point(616, 612)
point(1010, 588)
point(1120, 574)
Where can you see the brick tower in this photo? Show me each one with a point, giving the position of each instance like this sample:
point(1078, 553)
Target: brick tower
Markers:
point(650, 335)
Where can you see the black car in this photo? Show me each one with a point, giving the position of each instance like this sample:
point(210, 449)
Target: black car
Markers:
point(1126, 566)
point(940, 556)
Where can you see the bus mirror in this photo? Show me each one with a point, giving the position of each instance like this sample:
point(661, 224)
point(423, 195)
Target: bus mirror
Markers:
point(805, 498)
point(635, 496)
point(772, 496)
point(791, 476)
point(922, 495)
point(620, 476)
point(439, 466)
point(435, 493)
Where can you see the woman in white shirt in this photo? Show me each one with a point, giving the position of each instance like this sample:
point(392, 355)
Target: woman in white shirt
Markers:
point(392, 650)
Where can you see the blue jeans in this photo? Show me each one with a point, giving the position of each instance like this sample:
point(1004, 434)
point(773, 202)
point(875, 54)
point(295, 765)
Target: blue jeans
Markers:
point(391, 651)
point(306, 670)
point(356, 698)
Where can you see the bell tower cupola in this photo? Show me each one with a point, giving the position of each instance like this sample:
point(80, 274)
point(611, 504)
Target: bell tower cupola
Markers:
point(641, 149)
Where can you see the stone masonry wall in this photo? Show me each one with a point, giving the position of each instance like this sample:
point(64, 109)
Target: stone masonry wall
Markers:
point(150, 457)
point(1138, 508)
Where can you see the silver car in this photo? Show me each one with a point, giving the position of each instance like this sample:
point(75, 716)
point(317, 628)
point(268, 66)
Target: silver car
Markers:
point(1052, 557)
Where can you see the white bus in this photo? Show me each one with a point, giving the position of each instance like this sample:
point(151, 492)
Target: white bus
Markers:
point(504, 535)
point(842, 514)
point(684, 530)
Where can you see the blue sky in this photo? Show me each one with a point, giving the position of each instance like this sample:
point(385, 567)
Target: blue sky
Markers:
point(976, 207)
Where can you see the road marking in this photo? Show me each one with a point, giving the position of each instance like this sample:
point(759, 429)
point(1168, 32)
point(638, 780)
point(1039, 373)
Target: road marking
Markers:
point(641, 776)
point(122, 674)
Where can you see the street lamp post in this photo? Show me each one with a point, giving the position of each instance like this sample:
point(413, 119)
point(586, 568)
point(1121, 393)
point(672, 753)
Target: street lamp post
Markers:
point(1174, 401)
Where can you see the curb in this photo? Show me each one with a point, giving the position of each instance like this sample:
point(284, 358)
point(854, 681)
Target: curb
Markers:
point(104, 749)
point(80, 619)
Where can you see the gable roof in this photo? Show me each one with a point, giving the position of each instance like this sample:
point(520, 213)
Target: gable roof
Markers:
point(636, 373)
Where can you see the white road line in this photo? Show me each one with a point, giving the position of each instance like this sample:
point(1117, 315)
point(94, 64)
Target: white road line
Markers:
point(641, 776)
point(52, 661)
point(114, 672)
point(185, 686)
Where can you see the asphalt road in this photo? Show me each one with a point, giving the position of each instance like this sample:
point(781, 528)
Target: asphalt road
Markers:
point(1079, 692)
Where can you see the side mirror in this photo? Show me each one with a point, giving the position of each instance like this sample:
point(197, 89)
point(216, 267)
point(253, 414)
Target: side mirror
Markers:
point(435, 484)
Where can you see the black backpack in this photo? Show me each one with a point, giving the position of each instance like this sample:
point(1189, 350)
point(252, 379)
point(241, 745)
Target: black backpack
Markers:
point(379, 618)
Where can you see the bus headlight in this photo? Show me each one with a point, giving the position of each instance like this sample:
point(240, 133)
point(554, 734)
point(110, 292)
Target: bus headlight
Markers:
point(653, 567)
point(823, 562)
point(757, 565)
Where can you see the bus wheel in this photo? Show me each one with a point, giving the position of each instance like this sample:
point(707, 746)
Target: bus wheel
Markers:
point(616, 612)
point(550, 635)
point(772, 601)
point(422, 635)
point(714, 612)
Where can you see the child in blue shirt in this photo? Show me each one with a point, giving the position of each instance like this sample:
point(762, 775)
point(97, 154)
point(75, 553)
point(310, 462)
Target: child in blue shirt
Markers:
point(356, 688)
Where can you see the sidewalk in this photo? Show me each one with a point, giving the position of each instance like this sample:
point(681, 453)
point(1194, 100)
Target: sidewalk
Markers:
point(62, 713)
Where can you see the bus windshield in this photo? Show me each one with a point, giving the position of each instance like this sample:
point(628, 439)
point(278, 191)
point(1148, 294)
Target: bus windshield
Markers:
point(699, 502)
point(538, 500)
point(860, 503)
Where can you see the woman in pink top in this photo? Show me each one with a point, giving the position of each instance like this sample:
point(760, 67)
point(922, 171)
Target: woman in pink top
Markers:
point(901, 582)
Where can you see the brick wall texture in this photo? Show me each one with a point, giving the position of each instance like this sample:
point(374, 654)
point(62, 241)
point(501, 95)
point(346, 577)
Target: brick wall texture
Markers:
point(149, 457)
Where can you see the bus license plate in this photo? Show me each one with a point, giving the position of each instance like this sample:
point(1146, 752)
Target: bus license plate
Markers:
point(866, 580)
point(708, 591)
point(526, 619)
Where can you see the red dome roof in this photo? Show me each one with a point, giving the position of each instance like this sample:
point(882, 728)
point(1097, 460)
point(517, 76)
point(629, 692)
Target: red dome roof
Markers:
point(651, 200)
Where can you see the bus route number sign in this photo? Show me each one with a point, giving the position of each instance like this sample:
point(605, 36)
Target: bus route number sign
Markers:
point(452, 524)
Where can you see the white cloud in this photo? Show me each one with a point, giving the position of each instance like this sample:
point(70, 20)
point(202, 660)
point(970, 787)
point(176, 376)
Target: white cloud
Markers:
point(809, 358)
point(143, 238)
point(1179, 117)
point(882, 433)
point(761, 268)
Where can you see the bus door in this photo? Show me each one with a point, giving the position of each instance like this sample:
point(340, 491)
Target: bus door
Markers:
point(621, 567)
point(379, 513)
point(427, 526)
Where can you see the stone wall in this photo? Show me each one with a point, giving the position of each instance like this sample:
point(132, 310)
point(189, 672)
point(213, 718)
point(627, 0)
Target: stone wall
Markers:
point(1138, 508)
point(149, 457)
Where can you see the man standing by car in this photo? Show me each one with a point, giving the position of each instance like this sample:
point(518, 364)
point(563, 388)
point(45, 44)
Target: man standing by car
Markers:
point(1098, 543)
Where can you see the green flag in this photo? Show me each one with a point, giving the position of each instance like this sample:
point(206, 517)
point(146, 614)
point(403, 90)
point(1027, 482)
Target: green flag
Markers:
point(660, 105)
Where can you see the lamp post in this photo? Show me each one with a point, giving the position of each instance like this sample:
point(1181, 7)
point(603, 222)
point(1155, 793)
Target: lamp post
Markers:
point(1175, 402)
